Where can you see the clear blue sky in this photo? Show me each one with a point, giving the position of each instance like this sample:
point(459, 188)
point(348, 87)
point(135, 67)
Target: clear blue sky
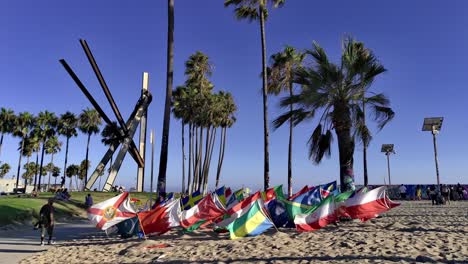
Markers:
point(422, 43)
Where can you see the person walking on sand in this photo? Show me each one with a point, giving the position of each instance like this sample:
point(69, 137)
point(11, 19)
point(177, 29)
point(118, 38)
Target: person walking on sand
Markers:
point(403, 192)
point(47, 221)
point(418, 192)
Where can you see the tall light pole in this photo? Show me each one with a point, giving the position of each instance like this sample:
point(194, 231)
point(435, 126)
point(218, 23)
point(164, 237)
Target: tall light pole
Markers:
point(388, 149)
point(434, 124)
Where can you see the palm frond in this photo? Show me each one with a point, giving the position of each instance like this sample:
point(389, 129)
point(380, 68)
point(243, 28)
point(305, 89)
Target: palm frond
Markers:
point(382, 115)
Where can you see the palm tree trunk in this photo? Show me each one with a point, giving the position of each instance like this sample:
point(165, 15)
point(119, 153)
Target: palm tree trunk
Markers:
point(66, 159)
point(50, 173)
point(1, 144)
point(167, 107)
point(342, 122)
point(290, 144)
point(26, 179)
point(87, 152)
point(221, 146)
point(365, 142)
point(36, 172)
point(19, 163)
point(183, 157)
point(200, 157)
point(205, 160)
point(209, 154)
point(266, 175)
point(189, 171)
point(41, 166)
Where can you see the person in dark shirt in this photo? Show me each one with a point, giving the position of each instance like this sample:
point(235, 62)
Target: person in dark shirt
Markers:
point(47, 221)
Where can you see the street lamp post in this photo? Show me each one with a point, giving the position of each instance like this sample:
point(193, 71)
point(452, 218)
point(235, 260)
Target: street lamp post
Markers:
point(388, 149)
point(434, 124)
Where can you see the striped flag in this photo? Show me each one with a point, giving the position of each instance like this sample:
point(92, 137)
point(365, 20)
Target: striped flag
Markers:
point(317, 217)
point(239, 209)
point(112, 211)
point(327, 189)
point(206, 209)
point(303, 190)
point(367, 205)
point(254, 222)
point(273, 193)
point(161, 219)
point(302, 203)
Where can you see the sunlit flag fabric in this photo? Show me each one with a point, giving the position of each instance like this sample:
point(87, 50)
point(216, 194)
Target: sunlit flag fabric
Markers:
point(206, 209)
point(367, 205)
point(327, 189)
point(317, 217)
point(302, 203)
point(191, 200)
point(273, 193)
point(112, 211)
point(161, 219)
point(239, 209)
point(223, 193)
point(303, 190)
point(254, 222)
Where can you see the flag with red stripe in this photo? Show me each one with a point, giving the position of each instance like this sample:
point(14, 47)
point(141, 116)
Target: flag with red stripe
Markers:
point(161, 219)
point(206, 209)
point(112, 211)
point(367, 205)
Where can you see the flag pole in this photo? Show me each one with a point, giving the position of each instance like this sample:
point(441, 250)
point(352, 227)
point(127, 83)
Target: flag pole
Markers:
point(152, 166)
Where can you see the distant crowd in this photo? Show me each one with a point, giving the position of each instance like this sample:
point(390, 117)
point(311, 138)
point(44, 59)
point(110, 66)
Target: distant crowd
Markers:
point(442, 195)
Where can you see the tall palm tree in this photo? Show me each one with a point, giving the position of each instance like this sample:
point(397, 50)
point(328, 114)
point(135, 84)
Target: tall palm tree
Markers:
point(228, 119)
point(336, 91)
point(89, 124)
point(67, 127)
point(110, 136)
point(257, 10)
point(4, 169)
point(83, 168)
point(30, 169)
point(45, 128)
point(72, 170)
point(52, 147)
point(366, 67)
point(23, 124)
point(7, 121)
point(32, 145)
point(167, 104)
point(280, 79)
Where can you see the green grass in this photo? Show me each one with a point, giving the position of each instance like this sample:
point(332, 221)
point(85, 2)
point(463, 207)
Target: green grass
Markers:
point(15, 210)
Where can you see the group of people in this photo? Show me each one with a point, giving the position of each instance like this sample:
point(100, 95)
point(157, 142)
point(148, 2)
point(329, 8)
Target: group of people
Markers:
point(62, 194)
point(445, 194)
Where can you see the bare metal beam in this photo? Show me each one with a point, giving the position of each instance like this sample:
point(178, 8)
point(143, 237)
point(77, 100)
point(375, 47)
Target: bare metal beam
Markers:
point(85, 91)
point(103, 84)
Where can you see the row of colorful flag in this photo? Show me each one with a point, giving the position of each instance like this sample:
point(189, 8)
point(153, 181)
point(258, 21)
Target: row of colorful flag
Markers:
point(242, 214)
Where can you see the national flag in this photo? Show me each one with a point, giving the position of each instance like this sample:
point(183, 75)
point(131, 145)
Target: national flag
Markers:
point(128, 228)
point(303, 190)
point(112, 211)
point(317, 217)
point(253, 222)
point(273, 193)
point(221, 192)
point(277, 211)
point(241, 194)
point(191, 200)
point(239, 209)
point(302, 203)
point(327, 189)
point(206, 209)
point(161, 219)
point(367, 205)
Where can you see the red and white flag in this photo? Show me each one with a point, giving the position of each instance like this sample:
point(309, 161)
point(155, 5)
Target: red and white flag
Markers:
point(206, 209)
point(321, 216)
point(161, 219)
point(367, 205)
point(110, 212)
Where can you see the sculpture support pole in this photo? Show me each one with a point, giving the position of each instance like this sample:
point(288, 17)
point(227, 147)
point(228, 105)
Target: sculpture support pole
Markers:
point(142, 147)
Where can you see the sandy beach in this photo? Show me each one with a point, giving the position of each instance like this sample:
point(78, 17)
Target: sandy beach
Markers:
point(413, 232)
